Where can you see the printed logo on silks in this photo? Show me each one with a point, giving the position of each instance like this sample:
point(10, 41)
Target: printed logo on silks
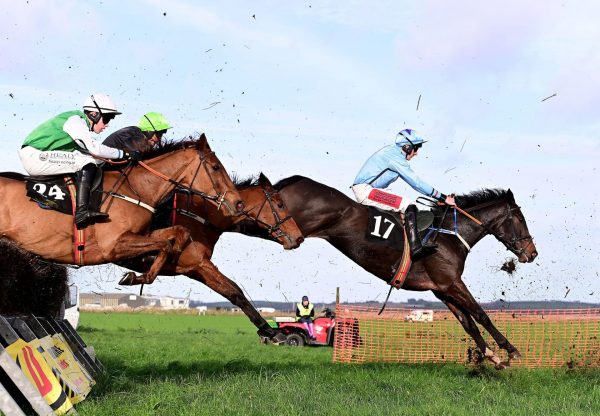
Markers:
point(43, 156)
point(384, 228)
point(385, 198)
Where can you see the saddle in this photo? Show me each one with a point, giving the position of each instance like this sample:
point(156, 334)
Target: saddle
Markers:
point(57, 192)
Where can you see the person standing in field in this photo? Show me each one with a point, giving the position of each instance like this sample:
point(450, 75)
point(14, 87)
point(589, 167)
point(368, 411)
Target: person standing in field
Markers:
point(305, 312)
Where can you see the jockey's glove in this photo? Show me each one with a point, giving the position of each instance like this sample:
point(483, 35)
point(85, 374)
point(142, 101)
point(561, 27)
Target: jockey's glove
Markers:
point(132, 155)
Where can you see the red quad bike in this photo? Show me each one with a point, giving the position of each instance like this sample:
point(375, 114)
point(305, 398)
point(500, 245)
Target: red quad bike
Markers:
point(296, 333)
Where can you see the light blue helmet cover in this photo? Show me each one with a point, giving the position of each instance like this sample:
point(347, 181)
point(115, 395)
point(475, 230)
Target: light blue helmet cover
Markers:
point(408, 136)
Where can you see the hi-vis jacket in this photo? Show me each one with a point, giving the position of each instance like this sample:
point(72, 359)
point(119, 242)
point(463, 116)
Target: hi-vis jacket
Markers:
point(303, 312)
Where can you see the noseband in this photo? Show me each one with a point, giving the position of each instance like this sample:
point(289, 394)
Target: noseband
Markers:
point(274, 230)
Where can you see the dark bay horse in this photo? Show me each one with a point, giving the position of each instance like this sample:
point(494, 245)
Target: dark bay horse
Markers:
point(189, 164)
point(326, 213)
point(264, 209)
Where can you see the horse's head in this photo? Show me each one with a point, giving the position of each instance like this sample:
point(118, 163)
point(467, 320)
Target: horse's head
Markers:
point(502, 218)
point(514, 234)
point(265, 207)
point(191, 166)
point(217, 177)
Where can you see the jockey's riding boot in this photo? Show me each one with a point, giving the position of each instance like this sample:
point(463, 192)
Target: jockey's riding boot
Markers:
point(83, 215)
point(418, 250)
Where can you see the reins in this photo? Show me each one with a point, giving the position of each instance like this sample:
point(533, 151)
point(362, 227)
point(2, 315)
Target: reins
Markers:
point(124, 175)
point(510, 244)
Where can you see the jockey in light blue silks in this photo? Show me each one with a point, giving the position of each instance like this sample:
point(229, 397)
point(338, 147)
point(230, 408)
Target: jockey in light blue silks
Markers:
point(382, 169)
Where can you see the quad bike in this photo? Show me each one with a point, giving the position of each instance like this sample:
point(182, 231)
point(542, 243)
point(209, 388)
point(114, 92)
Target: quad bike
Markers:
point(296, 333)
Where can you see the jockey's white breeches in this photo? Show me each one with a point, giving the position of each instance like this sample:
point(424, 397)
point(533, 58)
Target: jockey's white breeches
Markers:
point(53, 162)
point(380, 198)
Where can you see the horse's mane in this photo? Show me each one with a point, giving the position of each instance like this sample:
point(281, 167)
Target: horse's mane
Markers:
point(481, 197)
point(244, 183)
point(170, 145)
point(288, 181)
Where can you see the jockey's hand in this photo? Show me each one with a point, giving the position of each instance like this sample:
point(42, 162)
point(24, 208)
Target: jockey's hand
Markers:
point(133, 155)
point(450, 200)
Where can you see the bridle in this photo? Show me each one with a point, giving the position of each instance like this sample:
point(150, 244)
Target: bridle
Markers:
point(217, 199)
point(274, 230)
point(511, 242)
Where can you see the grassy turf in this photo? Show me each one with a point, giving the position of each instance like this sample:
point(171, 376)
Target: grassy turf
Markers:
point(214, 365)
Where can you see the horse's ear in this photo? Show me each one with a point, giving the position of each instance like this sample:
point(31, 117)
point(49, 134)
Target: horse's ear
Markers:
point(203, 142)
point(264, 181)
point(510, 195)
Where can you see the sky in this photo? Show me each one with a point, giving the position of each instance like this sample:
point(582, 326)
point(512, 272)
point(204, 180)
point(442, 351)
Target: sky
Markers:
point(507, 94)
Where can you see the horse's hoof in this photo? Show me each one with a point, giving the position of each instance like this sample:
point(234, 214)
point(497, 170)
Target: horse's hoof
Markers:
point(501, 365)
point(515, 355)
point(128, 279)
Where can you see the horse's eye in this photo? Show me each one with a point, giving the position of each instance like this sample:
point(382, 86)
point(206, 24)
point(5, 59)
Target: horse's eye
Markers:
point(216, 167)
point(280, 205)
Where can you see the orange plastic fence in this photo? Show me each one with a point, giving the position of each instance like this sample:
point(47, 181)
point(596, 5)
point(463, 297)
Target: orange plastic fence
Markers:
point(545, 338)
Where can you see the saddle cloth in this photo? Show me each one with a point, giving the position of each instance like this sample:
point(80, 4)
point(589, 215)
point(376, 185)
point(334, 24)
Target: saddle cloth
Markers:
point(58, 192)
point(386, 227)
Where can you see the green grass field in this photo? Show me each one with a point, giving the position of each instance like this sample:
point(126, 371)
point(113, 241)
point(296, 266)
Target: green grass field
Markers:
point(214, 365)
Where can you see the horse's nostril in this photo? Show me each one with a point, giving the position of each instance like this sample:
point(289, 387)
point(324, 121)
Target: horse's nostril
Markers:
point(300, 240)
point(239, 206)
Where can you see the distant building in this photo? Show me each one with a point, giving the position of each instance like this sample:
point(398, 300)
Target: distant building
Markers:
point(168, 302)
point(114, 300)
point(266, 310)
point(133, 301)
point(102, 300)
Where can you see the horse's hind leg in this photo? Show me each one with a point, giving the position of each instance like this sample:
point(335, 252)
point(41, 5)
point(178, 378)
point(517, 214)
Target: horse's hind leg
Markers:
point(178, 234)
point(467, 302)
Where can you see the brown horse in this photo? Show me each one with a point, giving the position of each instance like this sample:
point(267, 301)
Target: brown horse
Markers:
point(189, 164)
point(326, 213)
point(264, 209)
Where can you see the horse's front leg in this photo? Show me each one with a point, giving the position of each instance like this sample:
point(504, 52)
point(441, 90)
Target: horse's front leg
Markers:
point(195, 263)
point(170, 239)
point(467, 302)
point(470, 328)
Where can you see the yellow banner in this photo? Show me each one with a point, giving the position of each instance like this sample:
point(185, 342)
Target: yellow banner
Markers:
point(60, 358)
point(33, 365)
